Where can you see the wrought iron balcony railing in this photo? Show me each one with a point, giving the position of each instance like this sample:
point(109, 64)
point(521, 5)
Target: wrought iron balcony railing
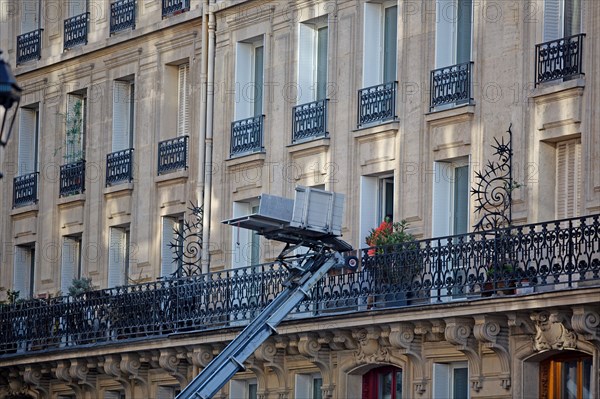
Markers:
point(247, 135)
point(25, 189)
point(310, 121)
point(29, 46)
point(172, 7)
point(119, 167)
point(72, 178)
point(122, 15)
point(451, 85)
point(554, 255)
point(76, 30)
point(377, 104)
point(559, 59)
point(172, 155)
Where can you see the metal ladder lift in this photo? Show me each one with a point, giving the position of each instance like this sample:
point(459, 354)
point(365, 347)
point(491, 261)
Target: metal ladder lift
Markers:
point(312, 221)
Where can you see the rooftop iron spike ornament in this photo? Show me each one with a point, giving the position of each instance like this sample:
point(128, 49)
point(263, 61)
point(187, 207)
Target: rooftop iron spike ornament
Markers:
point(186, 245)
point(493, 190)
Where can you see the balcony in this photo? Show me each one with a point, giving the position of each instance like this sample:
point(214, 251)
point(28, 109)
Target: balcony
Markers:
point(310, 121)
point(25, 189)
point(172, 155)
point(377, 104)
point(76, 30)
point(173, 7)
point(29, 46)
point(122, 15)
point(523, 260)
point(559, 59)
point(451, 85)
point(72, 178)
point(119, 167)
point(247, 136)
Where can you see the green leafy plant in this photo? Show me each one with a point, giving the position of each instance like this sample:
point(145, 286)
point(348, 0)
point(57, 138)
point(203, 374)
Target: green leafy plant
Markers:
point(388, 233)
point(12, 296)
point(74, 132)
point(80, 286)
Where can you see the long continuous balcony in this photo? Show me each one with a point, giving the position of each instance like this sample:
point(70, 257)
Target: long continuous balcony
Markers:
point(25, 189)
point(247, 136)
point(76, 30)
point(29, 46)
point(310, 121)
point(172, 7)
point(72, 178)
point(377, 104)
point(119, 167)
point(524, 260)
point(122, 15)
point(451, 85)
point(559, 59)
point(172, 155)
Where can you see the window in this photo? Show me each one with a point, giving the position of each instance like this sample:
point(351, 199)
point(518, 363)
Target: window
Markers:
point(249, 78)
point(451, 198)
point(245, 243)
point(376, 203)
point(383, 383)
point(183, 100)
point(70, 267)
point(172, 234)
point(24, 270)
point(312, 60)
point(77, 7)
point(380, 44)
point(562, 18)
point(453, 32)
point(75, 127)
point(167, 392)
point(118, 256)
point(308, 386)
point(243, 389)
point(29, 128)
point(30, 15)
point(451, 380)
point(566, 376)
point(569, 182)
point(123, 117)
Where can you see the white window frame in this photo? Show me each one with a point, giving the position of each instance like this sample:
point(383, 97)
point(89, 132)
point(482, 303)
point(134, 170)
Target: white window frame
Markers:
point(183, 99)
point(304, 386)
point(24, 270)
point(443, 381)
point(75, 150)
point(443, 196)
point(30, 15)
point(77, 7)
point(372, 203)
point(123, 121)
point(446, 33)
point(240, 389)
point(245, 78)
point(309, 60)
point(373, 43)
point(70, 262)
point(554, 19)
point(242, 240)
point(118, 256)
point(29, 135)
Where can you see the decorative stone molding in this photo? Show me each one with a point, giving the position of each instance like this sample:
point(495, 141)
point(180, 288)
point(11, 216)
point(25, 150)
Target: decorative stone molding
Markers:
point(492, 332)
point(369, 350)
point(458, 333)
point(402, 336)
point(201, 356)
point(551, 333)
point(520, 324)
point(33, 377)
point(309, 346)
point(342, 340)
point(131, 366)
point(169, 361)
point(586, 321)
point(272, 359)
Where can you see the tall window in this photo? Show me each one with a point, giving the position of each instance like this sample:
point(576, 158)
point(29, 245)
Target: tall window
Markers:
point(376, 203)
point(308, 386)
point(451, 198)
point(383, 383)
point(567, 376)
point(183, 100)
point(453, 32)
point(167, 392)
point(562, 18)
point(29, 127)
point(380, 43)
point(171, 235)
point(243, 389)
point(30, 15)
point(245, 243)
point(249, 80)
point(123, 115)
point(451, 380)
point(70, 262)
point(118, 256)
point(569, 182)
point(77, 7)
point(312, 60)
point(24, 270)
point(75, 127)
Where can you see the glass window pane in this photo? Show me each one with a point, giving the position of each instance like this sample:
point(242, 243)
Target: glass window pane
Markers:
point(460, 382)
point(586, 379)
point(463, 31)
point(398, 385)
point(461, 200)
point(385, 386)
point(390, 39)
point(252, 391)
point(258, 80)
point(322, 63)
point(569, 380)
point(317, 384)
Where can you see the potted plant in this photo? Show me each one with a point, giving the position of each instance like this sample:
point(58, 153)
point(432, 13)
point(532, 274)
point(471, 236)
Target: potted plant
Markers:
point(500, 278)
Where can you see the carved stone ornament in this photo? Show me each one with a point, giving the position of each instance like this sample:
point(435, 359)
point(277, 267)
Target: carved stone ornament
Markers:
point(369, 349)
point(551, 333)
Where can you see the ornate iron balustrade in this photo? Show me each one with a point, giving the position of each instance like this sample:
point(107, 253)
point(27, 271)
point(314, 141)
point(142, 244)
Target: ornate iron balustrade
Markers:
point(122, 15)
point(247, 135)
point(172, 155)
point(76, 30)
point(563, 254)
point(310, 121)
point(29, 46)
point(119, 167)
point(25, 189)
point(72, 178)
point(559, 59)
point(171, 7)
point(451, 85)
point(377, 103)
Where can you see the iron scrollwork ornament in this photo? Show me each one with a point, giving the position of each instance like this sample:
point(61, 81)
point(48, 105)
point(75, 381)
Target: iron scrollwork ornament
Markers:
point(186, 245)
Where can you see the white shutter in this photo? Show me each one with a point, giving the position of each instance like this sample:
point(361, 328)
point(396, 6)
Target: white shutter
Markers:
point(27, 141)
point(306, 64)
point(445, 33)
point(442, 201)
point(441, 380)
point(22, 271)
point(244, 88)
point(166, 253)
point(369, 187)
point(69, 261)
point(302, 387)
point(121, 115)
point(553, 19)
point(112, 395)
point(240, 239)
point(165, 393)
point(372, 45)
point(569, 184)
point(183, 106)
point(77, 7)
point(29, 15)
point(116, 258)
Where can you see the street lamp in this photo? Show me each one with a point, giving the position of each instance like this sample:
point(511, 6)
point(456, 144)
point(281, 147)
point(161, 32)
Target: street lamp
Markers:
point(10, 93)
